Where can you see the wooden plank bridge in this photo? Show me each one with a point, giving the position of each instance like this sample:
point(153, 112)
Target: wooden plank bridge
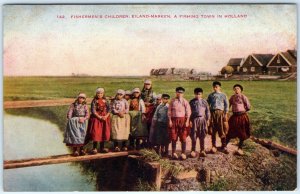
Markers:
point(10, 164)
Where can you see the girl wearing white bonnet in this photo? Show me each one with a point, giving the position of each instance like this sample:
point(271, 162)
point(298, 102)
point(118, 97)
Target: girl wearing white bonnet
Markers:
point(75, 132)
point(138, 129)
point(99, 122)
point(120, 127)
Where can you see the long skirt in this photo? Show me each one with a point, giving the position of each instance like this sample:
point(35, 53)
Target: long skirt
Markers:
point(120, 127)
point(178, 130)
point(159, 133)
point(138, 128)
point(217, 123)
point(98, 130)
point(239, 126)
point(75, 132)
point(199, 127)
point(149, 114)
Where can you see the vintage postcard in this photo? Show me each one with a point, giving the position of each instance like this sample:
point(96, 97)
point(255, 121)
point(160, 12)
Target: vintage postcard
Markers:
point(148, 97)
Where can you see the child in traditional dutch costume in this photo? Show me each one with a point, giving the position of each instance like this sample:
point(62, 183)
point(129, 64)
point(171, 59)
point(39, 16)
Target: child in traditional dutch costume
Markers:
point(75, 132)
point(127, 95)
point(120, 126)
point(239, 123)
point(99, 123)
point(199, 118)
point(179, 113)
point(218, 104)
point(138, 126)
point(159, 128)
point(147, 96)
point(158, 101)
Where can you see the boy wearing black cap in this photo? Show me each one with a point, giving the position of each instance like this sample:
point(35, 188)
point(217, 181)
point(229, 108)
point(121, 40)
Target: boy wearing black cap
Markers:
point(179, 113)
point(199, 118)
point(159, 128)
point(218, 104)
point(239, 123)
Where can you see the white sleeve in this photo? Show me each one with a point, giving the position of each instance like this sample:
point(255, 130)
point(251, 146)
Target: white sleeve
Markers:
point(142, 107)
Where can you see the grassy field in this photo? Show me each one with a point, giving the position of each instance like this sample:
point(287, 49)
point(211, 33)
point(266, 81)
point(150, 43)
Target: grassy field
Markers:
point(273, 113)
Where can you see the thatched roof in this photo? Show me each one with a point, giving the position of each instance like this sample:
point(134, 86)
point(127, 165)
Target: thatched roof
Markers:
point(178, 71)
point(155, 72)
point(293, 53)
point(235, 61)
point(152, 71)
point(263, 59)
point(289, 57)
point(163, 71)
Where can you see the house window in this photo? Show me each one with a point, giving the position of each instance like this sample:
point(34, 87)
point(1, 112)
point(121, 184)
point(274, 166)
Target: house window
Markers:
point(252, 69)
point(245, 69)
point(285, 69)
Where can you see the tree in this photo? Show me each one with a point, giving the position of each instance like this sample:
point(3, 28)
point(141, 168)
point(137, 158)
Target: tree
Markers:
point(227, 70)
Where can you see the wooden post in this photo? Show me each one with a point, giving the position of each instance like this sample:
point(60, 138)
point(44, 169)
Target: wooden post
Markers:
point(156, 174)
point(204, 175)
point(155, 170)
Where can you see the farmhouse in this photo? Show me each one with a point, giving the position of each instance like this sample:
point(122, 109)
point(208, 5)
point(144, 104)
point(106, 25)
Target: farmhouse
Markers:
point(184, 73)
point(283, 62)
point(181, 71)
point(164, 71)
point(172, 71)
point(256, 64)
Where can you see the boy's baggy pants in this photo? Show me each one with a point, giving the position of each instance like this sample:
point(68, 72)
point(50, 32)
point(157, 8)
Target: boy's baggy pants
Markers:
point(217, 123)
point(178, 130)
point(198, 130)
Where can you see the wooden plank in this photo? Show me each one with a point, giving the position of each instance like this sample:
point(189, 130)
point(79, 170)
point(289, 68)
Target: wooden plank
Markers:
point(274, 145)
point(61, 159)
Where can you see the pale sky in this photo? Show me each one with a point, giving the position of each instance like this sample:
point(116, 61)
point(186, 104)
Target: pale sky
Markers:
point(36, 42)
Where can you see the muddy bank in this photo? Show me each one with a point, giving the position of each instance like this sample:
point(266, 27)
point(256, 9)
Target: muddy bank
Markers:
point(259, 169)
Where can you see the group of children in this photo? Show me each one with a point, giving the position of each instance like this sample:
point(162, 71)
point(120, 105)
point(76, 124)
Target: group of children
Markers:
point(151, 121)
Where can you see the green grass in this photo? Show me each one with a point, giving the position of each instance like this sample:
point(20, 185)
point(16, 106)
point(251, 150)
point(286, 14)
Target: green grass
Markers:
point(249, 147)
point(220, 185)
point(273, 113)
point(144, 186)
point(149, 155)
